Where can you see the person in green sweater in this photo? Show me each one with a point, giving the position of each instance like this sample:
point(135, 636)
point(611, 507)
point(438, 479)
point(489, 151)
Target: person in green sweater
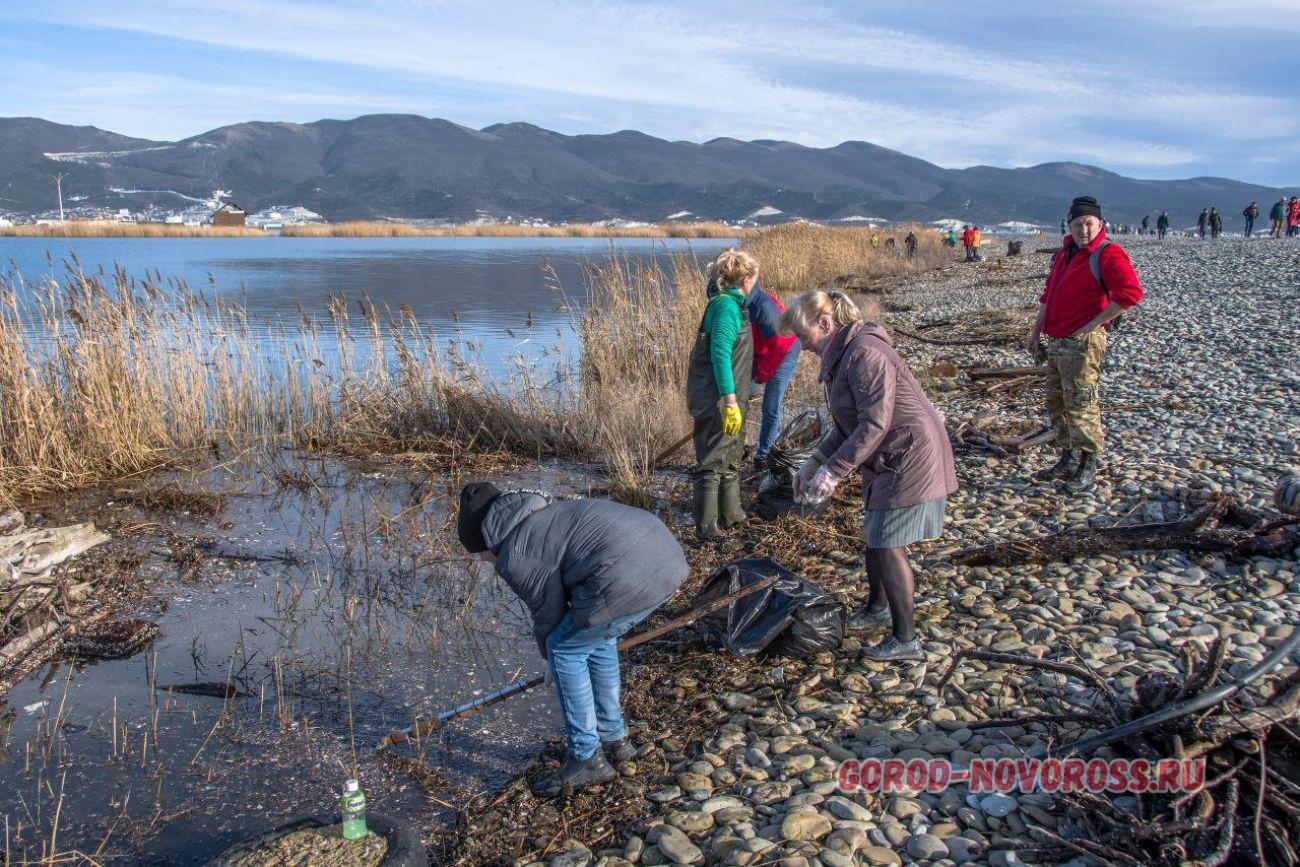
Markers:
point(717, 390)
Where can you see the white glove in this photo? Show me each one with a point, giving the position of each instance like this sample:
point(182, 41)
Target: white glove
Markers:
point(806, 471)
point(823, 484)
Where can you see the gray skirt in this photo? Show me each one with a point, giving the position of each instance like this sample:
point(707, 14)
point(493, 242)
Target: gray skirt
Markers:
point(896, 528)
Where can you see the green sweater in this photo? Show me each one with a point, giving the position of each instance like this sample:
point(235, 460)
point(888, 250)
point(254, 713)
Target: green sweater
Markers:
point(722, 322)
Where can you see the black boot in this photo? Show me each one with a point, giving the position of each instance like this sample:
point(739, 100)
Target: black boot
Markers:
point(1085, 476)
point(706, 510)
point(619, 751)
point(731, 513)
point(1065, 467)
point(575, 774)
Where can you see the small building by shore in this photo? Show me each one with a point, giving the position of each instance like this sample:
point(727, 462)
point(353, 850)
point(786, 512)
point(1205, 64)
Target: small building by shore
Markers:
point(229, 214)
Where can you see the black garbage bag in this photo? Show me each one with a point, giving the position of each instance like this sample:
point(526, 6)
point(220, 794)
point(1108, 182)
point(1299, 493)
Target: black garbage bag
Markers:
point(795, 444)
point(792, 618)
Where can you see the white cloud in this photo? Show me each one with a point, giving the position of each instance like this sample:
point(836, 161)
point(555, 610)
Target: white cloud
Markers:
point(770, 71)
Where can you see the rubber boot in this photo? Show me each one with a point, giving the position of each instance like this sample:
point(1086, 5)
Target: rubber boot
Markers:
point(1062, 469)
point(575, 774)
point(706, 509)
point(729, 501)
point(1085, 477)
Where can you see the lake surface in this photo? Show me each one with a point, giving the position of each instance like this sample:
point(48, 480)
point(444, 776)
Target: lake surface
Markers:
point(485, 287)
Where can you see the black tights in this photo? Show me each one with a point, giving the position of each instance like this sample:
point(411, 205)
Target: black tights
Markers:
point(890, 575)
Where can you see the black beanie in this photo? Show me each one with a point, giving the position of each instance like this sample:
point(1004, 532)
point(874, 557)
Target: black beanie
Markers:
point(1085, 206)
point(475, 500)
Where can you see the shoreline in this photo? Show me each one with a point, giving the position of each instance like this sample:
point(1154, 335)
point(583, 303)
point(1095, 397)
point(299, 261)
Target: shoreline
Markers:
point(370, 229)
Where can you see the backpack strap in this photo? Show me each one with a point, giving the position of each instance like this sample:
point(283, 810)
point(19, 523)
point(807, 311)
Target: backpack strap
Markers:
point(1094, 264)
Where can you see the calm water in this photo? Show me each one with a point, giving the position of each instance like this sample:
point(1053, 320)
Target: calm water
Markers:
point(491, 285)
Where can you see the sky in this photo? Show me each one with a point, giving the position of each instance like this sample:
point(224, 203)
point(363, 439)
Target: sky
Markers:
point(1155, 88)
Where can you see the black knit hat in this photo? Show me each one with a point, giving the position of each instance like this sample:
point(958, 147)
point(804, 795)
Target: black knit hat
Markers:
point(475, 500)
point(1085, 206)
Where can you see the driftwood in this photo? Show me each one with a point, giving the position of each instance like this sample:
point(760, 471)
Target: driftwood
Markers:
point(1203, 530)
point(1245, 738)
point(32, 598)
point(1003, 339)
point(1005, 372)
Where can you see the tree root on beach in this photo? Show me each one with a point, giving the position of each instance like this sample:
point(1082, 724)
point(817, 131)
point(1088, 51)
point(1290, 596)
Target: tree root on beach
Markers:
point(1247, 810)
point(1203, 530)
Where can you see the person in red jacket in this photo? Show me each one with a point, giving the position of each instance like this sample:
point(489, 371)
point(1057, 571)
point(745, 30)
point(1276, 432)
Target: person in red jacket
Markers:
point(775, 357)
point(967, 241)
point(1073, 311)
point(1293, 220)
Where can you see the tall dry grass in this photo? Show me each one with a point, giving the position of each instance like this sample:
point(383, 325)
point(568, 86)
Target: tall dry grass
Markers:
point(798, 256)
point(104, 376)
point(114, 229)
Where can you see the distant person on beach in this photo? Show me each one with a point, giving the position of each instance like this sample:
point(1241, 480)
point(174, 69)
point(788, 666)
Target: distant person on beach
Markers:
point(717, 390)
point(1216, 223)
point(1090, 283)
point(1278, 216)
point(1146, 225)
point(910, 243)
point(952, 237)
point(1251, 212)
point(975, 241)
point(889, 246)
point(1203, 222)
point(875, 240)
point(1063, 229)
point(1162, 223)
point(965, 242)
point(776, 356)
point(588, 571)
point(884, 426)
point(1293, 219)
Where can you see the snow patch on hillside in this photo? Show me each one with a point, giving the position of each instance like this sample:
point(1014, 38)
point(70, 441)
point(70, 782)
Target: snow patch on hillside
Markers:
point(765, 211)
point(86, 157)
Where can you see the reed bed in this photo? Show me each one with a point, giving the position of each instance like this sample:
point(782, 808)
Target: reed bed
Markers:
point(114, 229)
point(104, 376)
point(799, 256)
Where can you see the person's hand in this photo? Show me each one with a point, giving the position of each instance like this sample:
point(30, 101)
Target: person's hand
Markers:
point(823, 484)
point(804, 475)
point(1033, 345)
point(731, 420)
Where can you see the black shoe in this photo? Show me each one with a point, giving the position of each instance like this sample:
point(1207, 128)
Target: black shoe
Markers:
point(1085, 477)
point(1065, 467)
point(869, 618)
point(619, 751)
point(893, 650)
point(575, 774)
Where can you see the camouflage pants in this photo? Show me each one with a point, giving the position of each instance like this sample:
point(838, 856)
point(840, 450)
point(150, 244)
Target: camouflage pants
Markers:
point(1073, 374)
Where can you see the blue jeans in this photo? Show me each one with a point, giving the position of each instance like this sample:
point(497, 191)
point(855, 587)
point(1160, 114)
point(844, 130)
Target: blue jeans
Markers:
point(584, 666)
point(773, 395)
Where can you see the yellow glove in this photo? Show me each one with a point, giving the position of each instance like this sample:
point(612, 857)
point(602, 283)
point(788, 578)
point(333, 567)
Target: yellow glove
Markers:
point(731, 420)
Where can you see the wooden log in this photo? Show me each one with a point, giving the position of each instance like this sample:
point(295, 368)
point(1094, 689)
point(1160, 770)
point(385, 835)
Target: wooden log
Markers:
point(34, 552)
point(15, 650)
point(990, 340)
point(1006, 372)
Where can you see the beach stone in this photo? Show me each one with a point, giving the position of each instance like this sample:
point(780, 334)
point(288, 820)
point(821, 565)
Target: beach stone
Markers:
point(926, 847)
point(675, 845)
point(805, 826)
point(574, 854)
point(879, 856)
point(738, 701)
point(692, 822)
point(997, 805)
point(846, 809)
point(1005, 858)
point(961, 850)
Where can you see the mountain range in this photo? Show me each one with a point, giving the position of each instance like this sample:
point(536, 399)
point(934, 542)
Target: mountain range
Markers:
point(408, 166)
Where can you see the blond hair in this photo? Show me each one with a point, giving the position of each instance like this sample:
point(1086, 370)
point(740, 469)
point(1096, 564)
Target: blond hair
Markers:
point(733, 267)
point(804, 310)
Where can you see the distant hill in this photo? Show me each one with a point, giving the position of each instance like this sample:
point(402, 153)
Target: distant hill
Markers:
point(416, 167)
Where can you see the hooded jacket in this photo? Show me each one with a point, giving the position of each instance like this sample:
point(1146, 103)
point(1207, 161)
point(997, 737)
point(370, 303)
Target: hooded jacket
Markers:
point(883, 422)
point(770, 345)
point(595, 560)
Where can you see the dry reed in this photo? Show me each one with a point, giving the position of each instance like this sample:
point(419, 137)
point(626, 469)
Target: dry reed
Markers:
point(114, 229)
point(103, 376)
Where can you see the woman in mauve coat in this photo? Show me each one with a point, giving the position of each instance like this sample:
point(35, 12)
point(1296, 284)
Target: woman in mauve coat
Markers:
point(885, 426)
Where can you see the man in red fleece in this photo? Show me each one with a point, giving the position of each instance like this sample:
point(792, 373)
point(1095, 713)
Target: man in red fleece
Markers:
point(1091, 282)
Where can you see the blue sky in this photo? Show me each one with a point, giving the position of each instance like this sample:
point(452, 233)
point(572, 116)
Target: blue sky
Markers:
point(1152, 88)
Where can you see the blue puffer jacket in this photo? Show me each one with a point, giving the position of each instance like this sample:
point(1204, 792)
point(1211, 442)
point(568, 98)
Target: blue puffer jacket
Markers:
point(594, 559)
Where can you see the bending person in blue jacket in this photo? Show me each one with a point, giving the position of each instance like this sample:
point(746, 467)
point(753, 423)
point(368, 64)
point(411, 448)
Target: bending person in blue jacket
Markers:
point(588, 570)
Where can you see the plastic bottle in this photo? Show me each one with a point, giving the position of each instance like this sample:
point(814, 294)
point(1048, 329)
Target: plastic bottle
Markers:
point(353, 805)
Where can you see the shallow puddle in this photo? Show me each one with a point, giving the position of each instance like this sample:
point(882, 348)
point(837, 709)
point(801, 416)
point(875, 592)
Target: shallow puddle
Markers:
point(322, 607)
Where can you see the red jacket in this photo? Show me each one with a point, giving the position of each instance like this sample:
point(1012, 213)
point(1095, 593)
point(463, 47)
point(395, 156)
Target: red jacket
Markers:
point(1295, 213)
point(770, 345)
point(1073, 297)
point(967, 237)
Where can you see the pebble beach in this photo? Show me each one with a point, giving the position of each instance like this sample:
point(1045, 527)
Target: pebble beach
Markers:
point(1199, 400)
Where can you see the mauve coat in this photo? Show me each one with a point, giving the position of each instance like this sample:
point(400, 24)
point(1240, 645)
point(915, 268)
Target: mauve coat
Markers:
point(883, 422)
